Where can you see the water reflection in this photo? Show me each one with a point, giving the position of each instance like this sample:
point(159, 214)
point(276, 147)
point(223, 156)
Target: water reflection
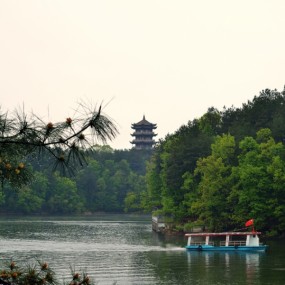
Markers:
point(129, 253)
point(243, 267)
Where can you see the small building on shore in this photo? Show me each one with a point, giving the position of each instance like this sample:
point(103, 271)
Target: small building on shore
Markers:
point(158, 224)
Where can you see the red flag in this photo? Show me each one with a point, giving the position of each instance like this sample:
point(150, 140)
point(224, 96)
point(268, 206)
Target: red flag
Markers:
point(249, 223)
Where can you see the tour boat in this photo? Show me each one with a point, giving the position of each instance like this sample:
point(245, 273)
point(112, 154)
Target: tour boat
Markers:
point(227, 241)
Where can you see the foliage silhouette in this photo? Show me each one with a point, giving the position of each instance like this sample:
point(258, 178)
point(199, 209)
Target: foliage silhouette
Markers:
point(65, 142)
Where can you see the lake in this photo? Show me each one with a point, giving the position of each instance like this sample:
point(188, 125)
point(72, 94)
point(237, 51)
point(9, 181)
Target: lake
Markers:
point(123, 250)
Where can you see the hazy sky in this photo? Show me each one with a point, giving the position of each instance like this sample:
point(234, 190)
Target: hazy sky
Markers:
point(167, 60)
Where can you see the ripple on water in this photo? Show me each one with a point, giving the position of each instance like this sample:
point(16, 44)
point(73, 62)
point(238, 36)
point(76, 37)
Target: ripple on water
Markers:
point(129, 253)
point(65, 246)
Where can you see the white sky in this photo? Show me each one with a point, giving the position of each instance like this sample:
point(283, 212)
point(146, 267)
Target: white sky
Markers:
point(167, 60)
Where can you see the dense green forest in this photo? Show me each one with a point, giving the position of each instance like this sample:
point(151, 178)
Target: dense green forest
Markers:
point(223, 168)
point(102, 185)
point(218, 170)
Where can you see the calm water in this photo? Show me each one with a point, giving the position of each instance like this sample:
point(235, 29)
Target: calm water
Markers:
point(123, 249)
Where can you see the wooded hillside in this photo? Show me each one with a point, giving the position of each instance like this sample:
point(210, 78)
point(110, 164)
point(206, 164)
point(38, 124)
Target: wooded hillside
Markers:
point(223, 168)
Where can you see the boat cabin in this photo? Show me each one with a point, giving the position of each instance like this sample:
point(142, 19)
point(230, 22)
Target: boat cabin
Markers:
point(224, 239)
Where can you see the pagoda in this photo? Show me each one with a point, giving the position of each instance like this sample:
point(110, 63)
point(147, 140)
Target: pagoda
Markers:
point(143, 134)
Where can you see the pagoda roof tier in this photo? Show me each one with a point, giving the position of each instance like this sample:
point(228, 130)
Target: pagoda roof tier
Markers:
point(144, 123)
point(135, 141)
point(138, 134)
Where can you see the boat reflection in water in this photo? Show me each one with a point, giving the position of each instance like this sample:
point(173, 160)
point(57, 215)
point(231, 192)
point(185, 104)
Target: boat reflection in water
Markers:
point(222, 267)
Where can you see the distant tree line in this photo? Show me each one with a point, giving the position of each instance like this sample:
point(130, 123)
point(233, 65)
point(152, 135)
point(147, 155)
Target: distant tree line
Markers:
point(101, 186)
